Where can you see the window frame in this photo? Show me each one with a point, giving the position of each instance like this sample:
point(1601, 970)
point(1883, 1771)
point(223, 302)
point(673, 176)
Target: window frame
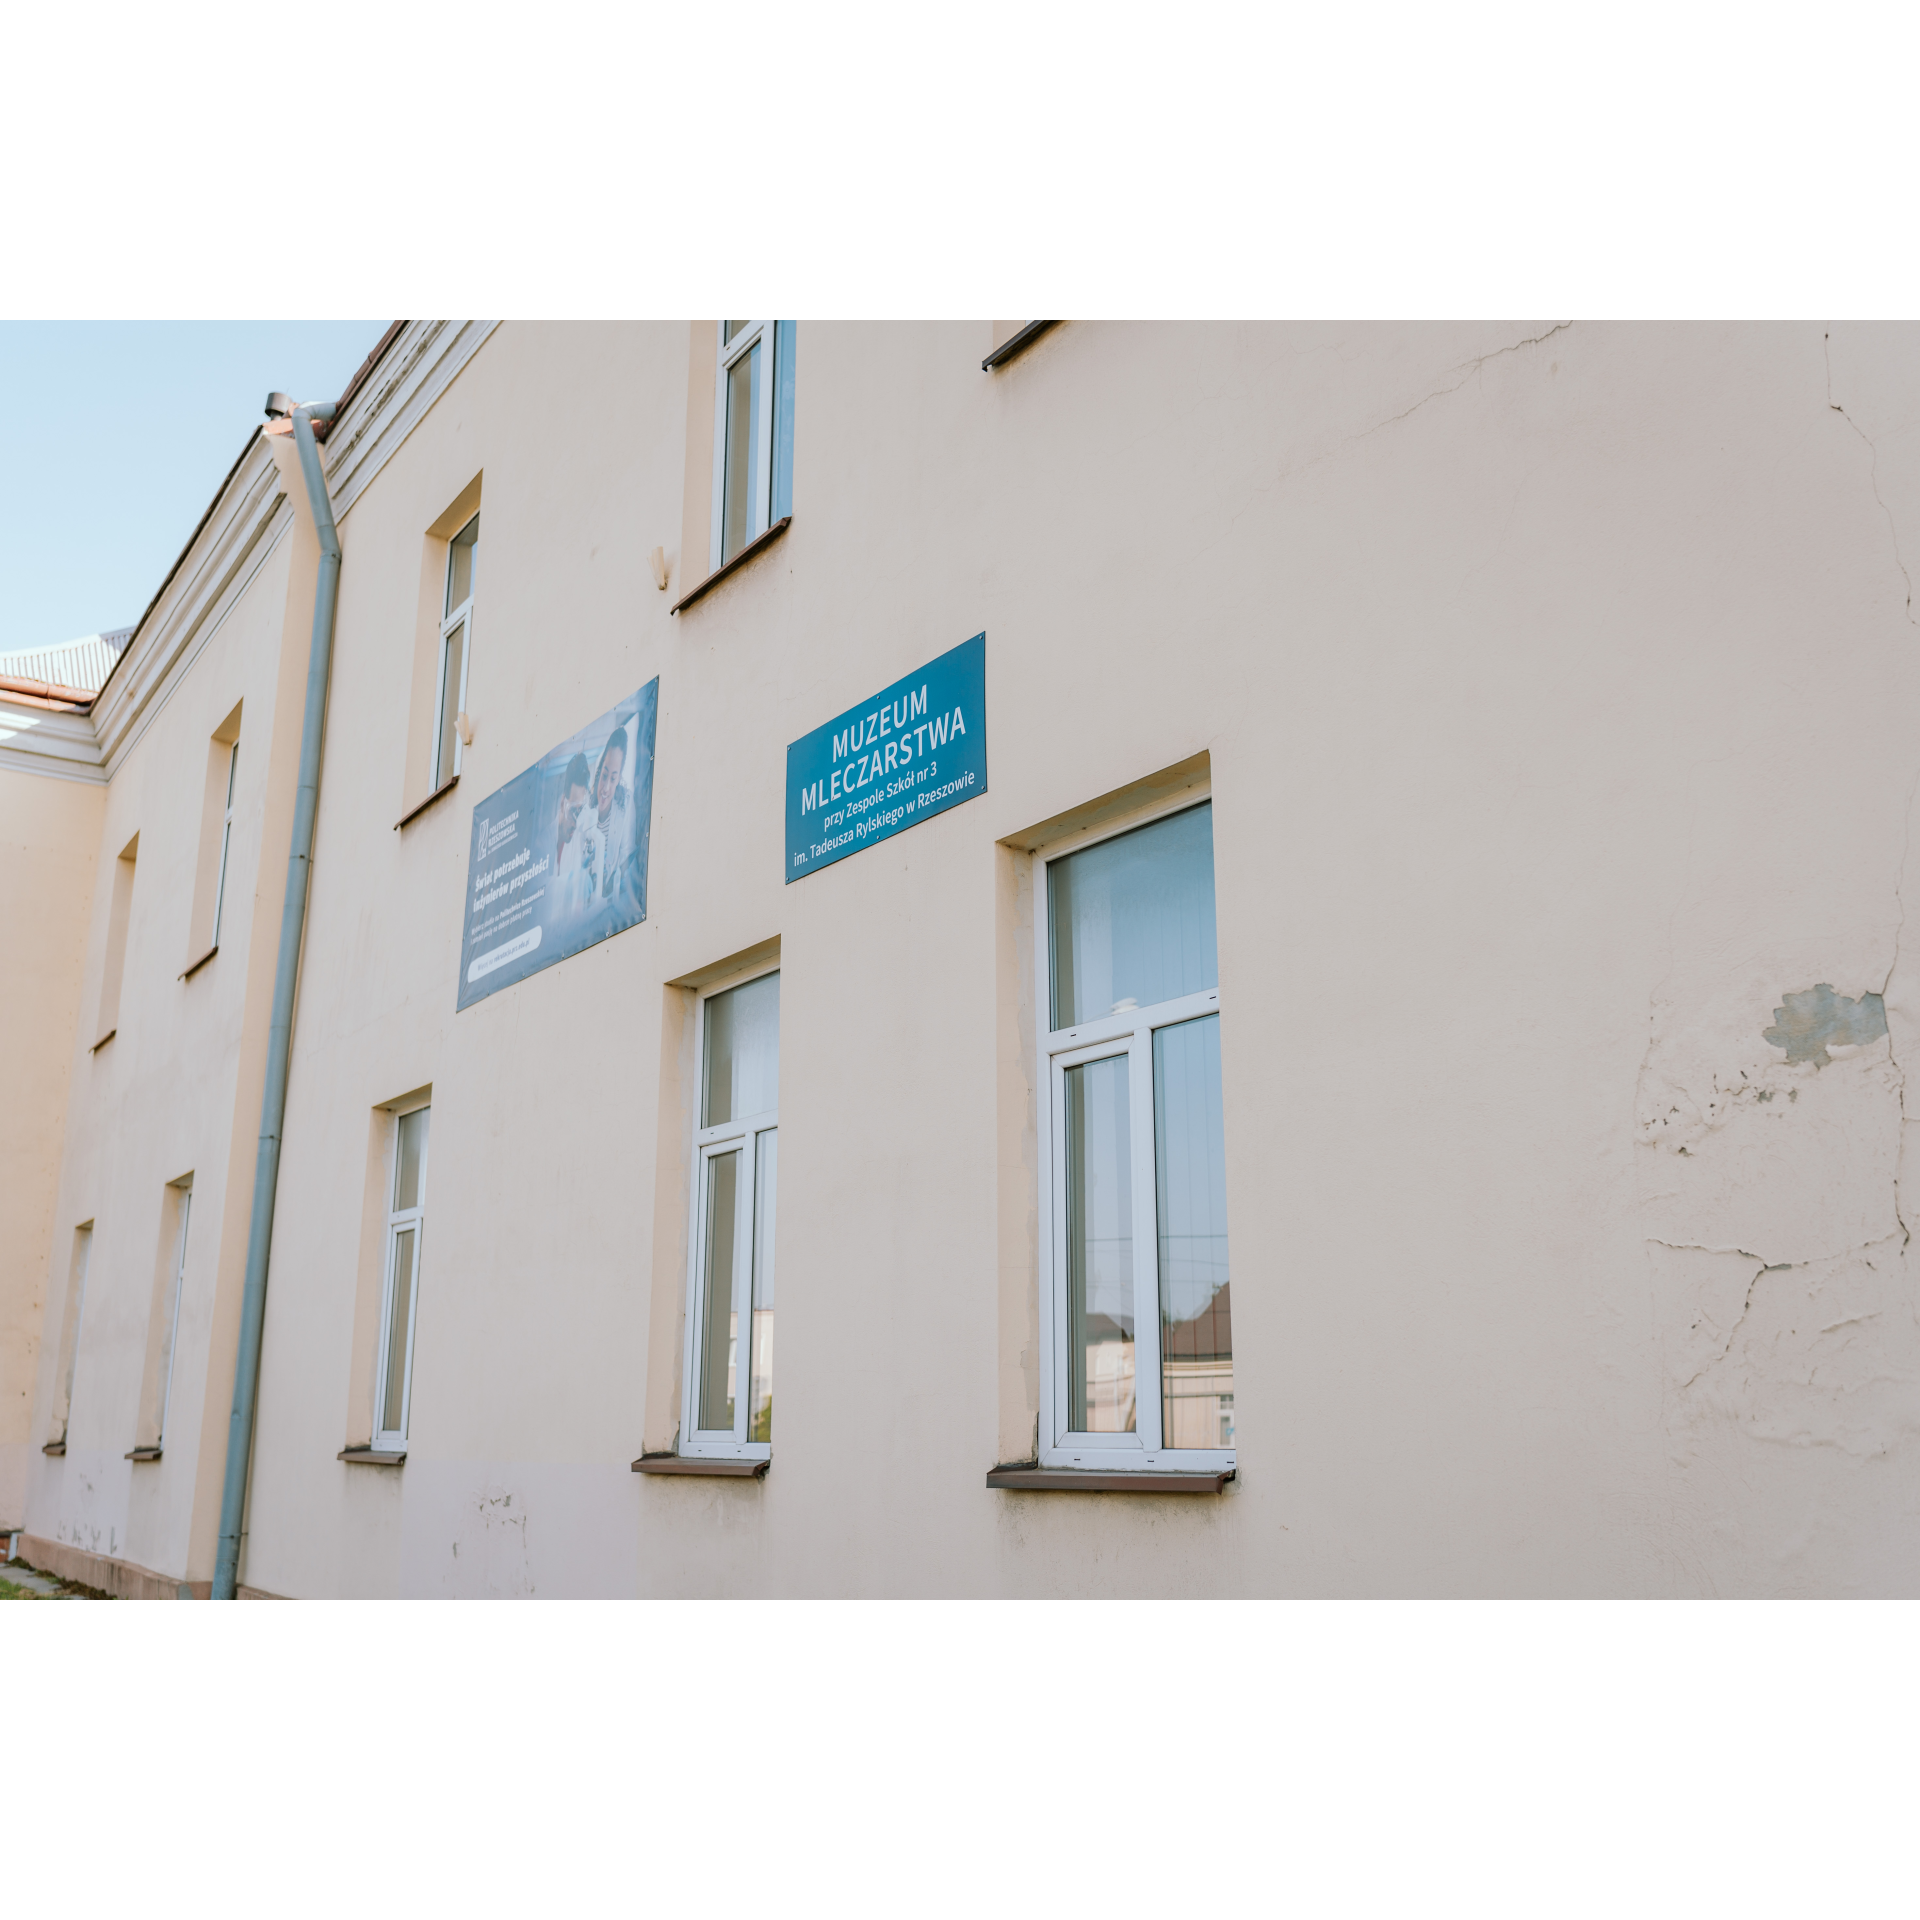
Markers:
point(742, 1133)
point(226, 838)
point(761, 507)
point(1130, 1033)
point(449, 619)
point(399, 1221)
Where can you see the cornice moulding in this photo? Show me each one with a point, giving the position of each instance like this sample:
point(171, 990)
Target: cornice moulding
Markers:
point(59, 746)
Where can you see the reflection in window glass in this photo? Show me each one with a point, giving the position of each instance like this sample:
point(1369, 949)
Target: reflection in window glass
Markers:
point(451, 668)
point(462, 550)
point(394, 1400)
point(742, 448)
point(1190, 1179)
point(719, 1324)
point(742, 1052)
point(413, 1158)
point(1100, 1364)
point(405, 1226)
point(1132, 919)
point(766, 1178)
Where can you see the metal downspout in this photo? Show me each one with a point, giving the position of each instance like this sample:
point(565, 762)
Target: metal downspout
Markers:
point(273, 1105)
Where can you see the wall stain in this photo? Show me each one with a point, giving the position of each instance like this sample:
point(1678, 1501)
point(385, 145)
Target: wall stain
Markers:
point(1806, 1024)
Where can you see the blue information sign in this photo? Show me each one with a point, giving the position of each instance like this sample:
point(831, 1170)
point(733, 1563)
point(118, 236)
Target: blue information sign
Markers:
point(915, 749)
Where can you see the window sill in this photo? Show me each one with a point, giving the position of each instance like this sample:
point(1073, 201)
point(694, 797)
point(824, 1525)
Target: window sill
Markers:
point(407, 819)
point(201, 962)
point(1025, 1479)
point(370, 1457)
point(740, 559)
point(55, 1449)
point(144, 1453)
point(104, 1038)
point(701, 1466)
point(1016, 343)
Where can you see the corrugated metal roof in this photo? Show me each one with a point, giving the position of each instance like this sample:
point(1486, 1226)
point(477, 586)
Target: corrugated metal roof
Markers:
point(85, 662)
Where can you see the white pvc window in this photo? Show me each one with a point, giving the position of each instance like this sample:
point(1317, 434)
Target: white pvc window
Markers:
point(752, 433)
point(226, 837)
point(456, 649)
point(1136, 1327)
point(175, 1287)
point(400, 1285)
point(728, 1402)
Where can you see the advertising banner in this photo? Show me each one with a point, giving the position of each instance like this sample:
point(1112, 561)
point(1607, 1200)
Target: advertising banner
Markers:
point(559, 854)
point(915, 749)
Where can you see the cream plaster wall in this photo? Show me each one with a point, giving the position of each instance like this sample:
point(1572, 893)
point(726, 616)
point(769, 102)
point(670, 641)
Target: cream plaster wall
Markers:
point(176, 1091)
point(49, 837)
point(1556, 688)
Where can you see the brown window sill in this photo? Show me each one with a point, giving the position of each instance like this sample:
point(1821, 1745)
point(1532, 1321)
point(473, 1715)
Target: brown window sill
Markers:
point(144, 1453)
point(1075, 1480)
point(706, 1468)
point(407, 819)
point(370, 1457)
point(104, 1038)
point(55, 1447)
point(1016, 343)
point(201, 962)
point(740, 559)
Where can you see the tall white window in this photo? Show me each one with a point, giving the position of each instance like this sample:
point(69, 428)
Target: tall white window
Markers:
point(226, 837)
point(456, 648)
point(400, 1288)
point(1136, 1332)
point(729, 1357)
point(166, 1326)
point(70, 1320)
point(752, 433)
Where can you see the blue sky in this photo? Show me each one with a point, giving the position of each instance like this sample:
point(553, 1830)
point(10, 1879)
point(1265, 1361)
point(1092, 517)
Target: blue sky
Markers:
point(113, 436)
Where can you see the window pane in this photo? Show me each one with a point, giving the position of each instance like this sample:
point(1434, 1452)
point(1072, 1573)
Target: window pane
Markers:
point(1132, 919)
point(233, 767)
point(742, 452)
point(413, 1159)
point(1190, 1181)
point(393, 1400)
point(450, 665)
point(783, 364)
point(1099, 1248)
point(743, 1052)
point(462, 550)
point(766, 1180)
point(220, 882)
point(719, 1329)
point(729, 328)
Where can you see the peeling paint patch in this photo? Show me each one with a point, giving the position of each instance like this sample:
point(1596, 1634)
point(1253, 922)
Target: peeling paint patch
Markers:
point(1807, 1024)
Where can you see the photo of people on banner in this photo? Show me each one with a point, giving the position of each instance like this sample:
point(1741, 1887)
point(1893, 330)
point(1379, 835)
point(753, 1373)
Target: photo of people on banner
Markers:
point(559, 854)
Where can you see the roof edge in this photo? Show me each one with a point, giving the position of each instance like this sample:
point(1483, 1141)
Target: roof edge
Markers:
point(352, 388)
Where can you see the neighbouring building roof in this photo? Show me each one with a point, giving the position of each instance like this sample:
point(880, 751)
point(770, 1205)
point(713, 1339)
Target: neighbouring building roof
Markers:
point(83, 663)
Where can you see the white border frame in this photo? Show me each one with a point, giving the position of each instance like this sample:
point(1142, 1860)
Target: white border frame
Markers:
point(753, 333)
point(743, 1133)
point(399, 1220)
point(450, 620)
point(1130, 1033)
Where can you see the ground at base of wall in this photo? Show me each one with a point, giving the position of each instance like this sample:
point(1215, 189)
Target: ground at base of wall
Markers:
point(104, 1578)
point(22, 1582)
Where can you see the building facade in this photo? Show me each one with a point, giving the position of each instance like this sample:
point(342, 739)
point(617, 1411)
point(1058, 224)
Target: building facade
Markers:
point(1275, 950)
